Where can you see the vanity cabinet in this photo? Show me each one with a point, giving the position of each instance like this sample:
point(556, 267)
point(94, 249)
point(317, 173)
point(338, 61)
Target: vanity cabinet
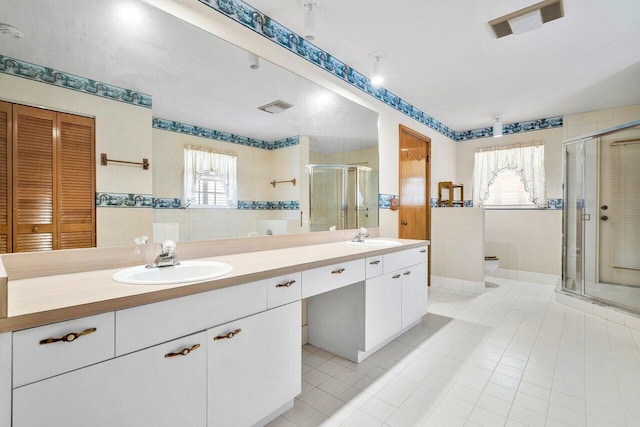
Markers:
point(357, 320)
point(254, 366)
point(165, 385)
point(383, 308)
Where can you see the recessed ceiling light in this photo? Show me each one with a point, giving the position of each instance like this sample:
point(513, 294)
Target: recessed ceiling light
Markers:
point(528, 18)
point(9, 31)
point(275, 107)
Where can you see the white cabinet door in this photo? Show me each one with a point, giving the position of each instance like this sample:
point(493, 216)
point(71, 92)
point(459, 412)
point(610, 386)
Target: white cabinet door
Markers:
point(383, 303)
point(254, 366)
point(414, 293)
point(144, 388)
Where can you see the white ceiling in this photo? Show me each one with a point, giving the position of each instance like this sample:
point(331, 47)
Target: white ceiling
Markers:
point(442, 57)
point(193, 77)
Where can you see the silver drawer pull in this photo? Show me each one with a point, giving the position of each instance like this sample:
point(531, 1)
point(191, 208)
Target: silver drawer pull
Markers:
point(228, 336)
point(182, 352)
point(338, 271)
point(70, 337)
point(285, 284)
point(422, 251)
point(396, 276)
point(406, 273)
point(376, 262)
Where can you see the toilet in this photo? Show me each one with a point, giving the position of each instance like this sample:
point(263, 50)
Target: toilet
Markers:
point(491, 262)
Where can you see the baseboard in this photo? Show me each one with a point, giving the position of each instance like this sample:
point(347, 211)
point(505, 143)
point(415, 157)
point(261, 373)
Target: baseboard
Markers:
point(526, 276)
point(457, 284)
point(595, 308)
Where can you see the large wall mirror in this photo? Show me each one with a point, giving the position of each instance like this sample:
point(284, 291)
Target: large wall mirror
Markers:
point(206, 93)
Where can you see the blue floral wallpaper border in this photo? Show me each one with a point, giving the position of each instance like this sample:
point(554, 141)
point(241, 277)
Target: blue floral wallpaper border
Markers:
point(173, 126)
point(288, 205)
point(539, 124)
point(131, 200)
point(384, 200)
point(38, 73)
point(553, 204)
point(124, 200)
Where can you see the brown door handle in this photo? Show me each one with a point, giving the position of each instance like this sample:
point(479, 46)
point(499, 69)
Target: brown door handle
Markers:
point(228, 336)
point(405, 223)
point(34, 229)
point(182, 352)
point(604, 217)
point(604, 207)
point(71, 336)
point(285, 284)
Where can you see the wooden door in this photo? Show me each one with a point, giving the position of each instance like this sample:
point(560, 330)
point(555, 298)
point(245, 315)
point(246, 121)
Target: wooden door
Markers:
point(415, 176)
point(75, 182)
point(34, 170)
point(5, 177)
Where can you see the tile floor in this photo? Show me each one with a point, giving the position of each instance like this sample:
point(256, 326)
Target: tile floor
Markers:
point(511, 356)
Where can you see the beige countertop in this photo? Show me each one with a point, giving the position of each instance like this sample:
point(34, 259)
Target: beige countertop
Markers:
point(47, 299)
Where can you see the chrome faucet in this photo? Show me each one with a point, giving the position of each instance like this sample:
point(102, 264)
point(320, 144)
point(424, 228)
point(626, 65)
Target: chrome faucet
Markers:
point(167, 257)
point(361, 235)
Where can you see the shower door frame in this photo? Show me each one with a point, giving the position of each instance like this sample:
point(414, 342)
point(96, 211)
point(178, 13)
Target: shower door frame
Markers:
point(344, 202)
point(581, 229)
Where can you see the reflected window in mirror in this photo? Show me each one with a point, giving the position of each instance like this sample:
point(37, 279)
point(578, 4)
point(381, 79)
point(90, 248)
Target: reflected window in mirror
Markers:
point(210, 177)
point(210, 191)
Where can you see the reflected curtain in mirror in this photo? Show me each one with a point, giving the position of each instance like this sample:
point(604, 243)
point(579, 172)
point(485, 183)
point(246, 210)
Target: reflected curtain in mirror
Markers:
point(203, 164)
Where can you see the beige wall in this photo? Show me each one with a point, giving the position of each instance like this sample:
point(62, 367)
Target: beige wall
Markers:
point(123, 131)
point(256, 167)
point(525, 240)
point(585, 123)
point(457, 243)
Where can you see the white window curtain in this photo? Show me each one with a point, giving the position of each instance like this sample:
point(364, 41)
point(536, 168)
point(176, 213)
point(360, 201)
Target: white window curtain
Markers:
point(199, 161)
point(526, 160)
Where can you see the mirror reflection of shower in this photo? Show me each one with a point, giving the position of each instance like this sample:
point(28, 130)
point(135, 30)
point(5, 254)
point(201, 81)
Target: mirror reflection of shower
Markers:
point(342, 197)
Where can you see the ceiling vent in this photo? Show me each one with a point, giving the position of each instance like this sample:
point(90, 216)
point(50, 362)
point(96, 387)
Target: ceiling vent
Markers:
point(527, 19)
point(275, 107)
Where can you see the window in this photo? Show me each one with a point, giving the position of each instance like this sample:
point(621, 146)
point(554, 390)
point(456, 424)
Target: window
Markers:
point(508, 190)
point(510, 176)
point(209, 177)
point(210, 191)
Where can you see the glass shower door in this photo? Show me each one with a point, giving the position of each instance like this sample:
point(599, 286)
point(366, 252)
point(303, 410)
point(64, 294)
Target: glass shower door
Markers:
point(573, 216)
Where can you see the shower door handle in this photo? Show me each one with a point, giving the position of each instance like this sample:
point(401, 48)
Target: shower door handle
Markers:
point(604, 217)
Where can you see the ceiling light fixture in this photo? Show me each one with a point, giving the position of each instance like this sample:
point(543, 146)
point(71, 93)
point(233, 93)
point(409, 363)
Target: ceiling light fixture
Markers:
point(9, 31)
point(497, 128)
point(275, 107)
point(310, 19)
point(527, 19)
point(254, 61)
point(377, 76)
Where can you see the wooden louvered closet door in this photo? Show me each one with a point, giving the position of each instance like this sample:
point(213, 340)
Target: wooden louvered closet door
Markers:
point(76, 188)
point(5, 177)
point(34, 170)
point(53, 180)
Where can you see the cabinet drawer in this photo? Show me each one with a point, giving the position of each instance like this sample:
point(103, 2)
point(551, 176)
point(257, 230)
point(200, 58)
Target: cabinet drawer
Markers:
point(422, 254)
point(34, 358)
point(147, 325)
point(324, 279)
point(398, 260)
point(374, 266)
point(282, 290)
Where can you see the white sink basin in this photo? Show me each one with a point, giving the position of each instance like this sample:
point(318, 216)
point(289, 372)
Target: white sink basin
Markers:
point(380, 243)
point(187, 271)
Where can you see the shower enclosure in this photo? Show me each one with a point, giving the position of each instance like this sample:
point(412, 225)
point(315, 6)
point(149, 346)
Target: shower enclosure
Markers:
point(601, 217)
point(342, 196)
